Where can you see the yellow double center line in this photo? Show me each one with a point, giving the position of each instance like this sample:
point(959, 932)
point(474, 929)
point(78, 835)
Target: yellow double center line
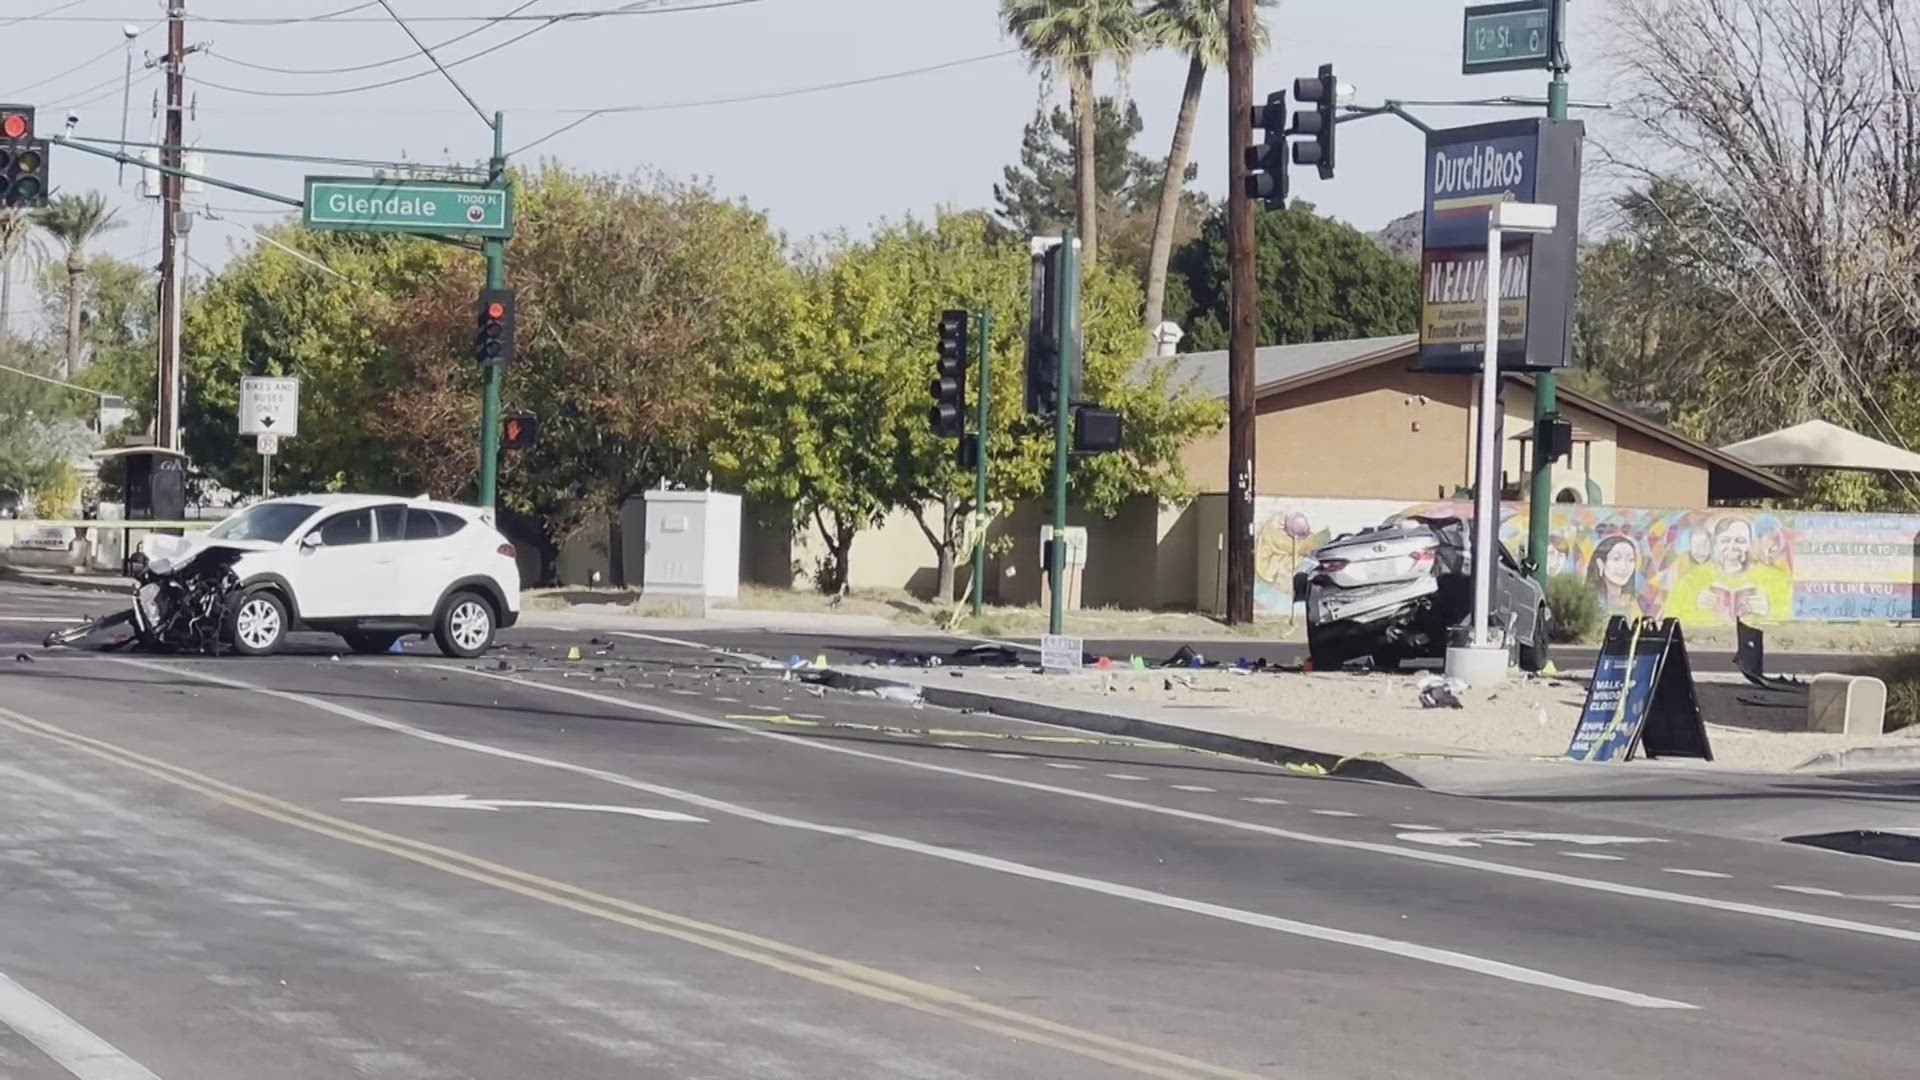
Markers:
point(814, 967)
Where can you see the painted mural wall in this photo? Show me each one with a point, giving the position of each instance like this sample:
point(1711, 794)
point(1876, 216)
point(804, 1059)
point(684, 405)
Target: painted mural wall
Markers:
point(1704, 567)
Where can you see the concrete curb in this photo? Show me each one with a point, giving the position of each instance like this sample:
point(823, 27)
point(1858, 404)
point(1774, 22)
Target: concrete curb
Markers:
point(1354, 768)
point(1859, 758)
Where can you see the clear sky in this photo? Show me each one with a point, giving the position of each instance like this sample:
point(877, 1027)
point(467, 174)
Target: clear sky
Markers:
point(816, 162)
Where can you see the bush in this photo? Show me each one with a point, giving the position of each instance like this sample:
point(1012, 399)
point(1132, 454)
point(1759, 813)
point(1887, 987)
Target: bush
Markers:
point(1901, 673)
point(1575, 608)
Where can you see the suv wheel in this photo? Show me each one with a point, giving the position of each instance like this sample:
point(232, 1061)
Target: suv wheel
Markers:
point(257, 624)
point(465, 626)
point(362, 641)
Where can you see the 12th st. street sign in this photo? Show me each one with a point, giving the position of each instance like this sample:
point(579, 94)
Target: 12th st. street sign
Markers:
point(1508, 37)
point(407, 206)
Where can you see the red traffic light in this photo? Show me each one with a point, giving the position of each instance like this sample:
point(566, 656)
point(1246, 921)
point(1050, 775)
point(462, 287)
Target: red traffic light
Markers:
point(496, 311)
point(15, 126)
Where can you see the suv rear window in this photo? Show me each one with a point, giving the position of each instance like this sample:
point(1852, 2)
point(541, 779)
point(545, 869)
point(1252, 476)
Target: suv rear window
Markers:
point(432, 524)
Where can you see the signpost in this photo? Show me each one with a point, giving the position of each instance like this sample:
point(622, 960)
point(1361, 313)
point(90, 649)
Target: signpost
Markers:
point(269, 411)
point(1508, 37)
point(408, 206)
point(1471, 170)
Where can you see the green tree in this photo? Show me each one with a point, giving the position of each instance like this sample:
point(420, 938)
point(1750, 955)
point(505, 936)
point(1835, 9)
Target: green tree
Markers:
point(119, 316)
point(1198, 29)
point(1068, 38)
point(75, 221)
point(41, 433)
point(20, 247)
point(1323, 280)
point(632, 293)
point(270, 313)
point(1036, 197)
point(833, 417)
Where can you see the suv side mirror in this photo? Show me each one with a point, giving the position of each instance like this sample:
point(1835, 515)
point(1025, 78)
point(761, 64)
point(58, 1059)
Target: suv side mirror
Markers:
point(1528, 566)
point(311, 540)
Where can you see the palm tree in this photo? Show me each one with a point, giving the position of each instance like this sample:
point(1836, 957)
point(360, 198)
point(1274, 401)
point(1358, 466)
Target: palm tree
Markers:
point(1070, 37)
point(18, 244)
point(1199, 29)
point(74, 221)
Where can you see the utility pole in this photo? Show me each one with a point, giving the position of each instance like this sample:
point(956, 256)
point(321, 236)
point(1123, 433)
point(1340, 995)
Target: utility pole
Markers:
point(166, 429)
point(1244, 318)
point(1546, 383)
point(496, 250)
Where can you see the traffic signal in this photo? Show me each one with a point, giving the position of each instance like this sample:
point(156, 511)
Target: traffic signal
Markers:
point(949, 412)
point(1043, 329)
point(518, 431)
point(1267, 158)
point(1096, 430)
point(1323, 93)
point(23, 160)
point(494, 344)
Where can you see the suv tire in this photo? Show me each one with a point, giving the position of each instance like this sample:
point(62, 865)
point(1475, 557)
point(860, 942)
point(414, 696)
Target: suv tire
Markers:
point(257, 624)
point(466, 625)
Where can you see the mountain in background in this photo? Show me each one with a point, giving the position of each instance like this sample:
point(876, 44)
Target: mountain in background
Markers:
point(1400, 237)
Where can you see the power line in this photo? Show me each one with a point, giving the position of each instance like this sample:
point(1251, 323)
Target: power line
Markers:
point(766, 95)
point(351, 69)
point(546, 22)
point(54, 10)
point(442, 68)
point(84, 64)
point(342, 18)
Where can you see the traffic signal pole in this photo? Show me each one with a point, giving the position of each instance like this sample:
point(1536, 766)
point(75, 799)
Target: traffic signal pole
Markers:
point(1069, 339)
point(496, 251)
point(1243, 320)
point(1546, 383)
point(980, 465)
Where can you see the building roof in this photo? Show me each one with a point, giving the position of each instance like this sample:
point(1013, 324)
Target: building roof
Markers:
point(1820, 445)
point(1280, 368)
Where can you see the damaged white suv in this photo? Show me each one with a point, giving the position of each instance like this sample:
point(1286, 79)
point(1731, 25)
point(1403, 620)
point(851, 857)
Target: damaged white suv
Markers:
point(369, 568)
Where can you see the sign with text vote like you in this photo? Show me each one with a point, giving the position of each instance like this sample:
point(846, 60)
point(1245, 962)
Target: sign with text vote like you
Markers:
point(1642, 697)
point(269, 406)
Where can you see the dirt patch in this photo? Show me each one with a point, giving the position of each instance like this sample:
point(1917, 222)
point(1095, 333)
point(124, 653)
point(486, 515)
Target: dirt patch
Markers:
point(1531, 718)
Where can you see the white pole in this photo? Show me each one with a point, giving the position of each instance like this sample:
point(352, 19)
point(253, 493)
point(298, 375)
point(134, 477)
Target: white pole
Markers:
point(1486, 513)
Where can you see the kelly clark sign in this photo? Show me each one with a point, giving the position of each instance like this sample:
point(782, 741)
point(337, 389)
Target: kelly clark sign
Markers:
point(1469, 171)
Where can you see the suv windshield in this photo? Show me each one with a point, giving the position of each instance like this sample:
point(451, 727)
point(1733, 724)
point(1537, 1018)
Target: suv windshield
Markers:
point(272, 522)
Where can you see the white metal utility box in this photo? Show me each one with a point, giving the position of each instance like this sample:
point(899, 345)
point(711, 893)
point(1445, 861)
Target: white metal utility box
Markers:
point(693, 547)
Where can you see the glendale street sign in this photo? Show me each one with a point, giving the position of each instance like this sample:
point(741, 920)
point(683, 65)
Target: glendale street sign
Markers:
point(407, 206)
point(1508, 37)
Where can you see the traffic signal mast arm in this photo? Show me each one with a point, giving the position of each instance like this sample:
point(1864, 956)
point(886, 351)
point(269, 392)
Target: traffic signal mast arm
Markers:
point(126, 159)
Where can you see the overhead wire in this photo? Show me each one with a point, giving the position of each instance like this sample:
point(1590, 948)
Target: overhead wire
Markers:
point(54, 10)
point(351, 69)
point(548, 21)
point(82, 65)
point(341, 17)
point(768, 95)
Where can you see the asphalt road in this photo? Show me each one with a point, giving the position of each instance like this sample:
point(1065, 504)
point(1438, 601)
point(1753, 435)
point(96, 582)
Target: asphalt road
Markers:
point(662, 862)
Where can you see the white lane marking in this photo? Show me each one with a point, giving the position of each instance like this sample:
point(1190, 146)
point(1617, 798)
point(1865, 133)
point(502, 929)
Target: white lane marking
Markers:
point(1189, 787)
point(67, 621)
point(1124, 776)
point(1405, 949)
point(685, 644)
point(1909, 907)
point(463, 802)
point(1513, 838)
point(1262, 800)
point(1809, 890)
point(1414, 828)
point(1004, 756)
point(1594, 855)
point(1063, 765)
point(728, 700)
point(684, 693)
point(1690, 872)
point(79, 1051)
point(1334, 813)
point(1433, 858)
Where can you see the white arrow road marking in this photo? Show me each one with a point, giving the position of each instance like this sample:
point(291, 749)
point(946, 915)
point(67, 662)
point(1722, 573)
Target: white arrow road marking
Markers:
point(463, 802)
point(1519, 839)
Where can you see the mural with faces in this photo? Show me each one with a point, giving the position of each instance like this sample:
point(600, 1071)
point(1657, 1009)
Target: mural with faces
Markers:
point(1703, 567)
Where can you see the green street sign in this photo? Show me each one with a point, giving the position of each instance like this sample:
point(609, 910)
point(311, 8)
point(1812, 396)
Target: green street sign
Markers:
point(1508, 37)
point(349, 204)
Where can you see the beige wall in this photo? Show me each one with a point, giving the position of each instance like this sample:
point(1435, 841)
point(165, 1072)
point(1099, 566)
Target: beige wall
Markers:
point(1388, 433)
point(1655, 474)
